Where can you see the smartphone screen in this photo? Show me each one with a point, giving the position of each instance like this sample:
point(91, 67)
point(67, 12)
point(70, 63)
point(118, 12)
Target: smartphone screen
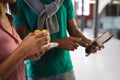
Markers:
point(104, 38)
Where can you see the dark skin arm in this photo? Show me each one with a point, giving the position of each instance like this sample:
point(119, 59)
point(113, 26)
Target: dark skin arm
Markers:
point(69, 43)
point(76, 38)
point(75, 32)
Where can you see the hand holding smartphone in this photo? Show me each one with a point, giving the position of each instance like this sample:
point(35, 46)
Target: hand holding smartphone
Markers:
point(106, 36)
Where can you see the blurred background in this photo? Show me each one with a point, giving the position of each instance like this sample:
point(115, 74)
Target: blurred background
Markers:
point(93, 18)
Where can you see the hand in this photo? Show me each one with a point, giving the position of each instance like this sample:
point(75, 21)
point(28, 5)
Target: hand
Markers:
point(32, 44)
point(93, 47)
point(37, 56)
point(69, 43)
point(97, 48)
point(85, 43)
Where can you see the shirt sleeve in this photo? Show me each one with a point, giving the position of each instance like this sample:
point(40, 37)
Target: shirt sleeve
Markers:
point(70, 9)
point(19, 19)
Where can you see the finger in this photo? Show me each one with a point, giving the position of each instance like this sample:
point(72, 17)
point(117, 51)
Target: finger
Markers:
point(34, 57)
point(76, 45)
point(44, 49)
point(37, 57)
point(47, 47)
point(72, 46)
point(79, 41)
point(84, 44)
point(30, 58)
point(98, 48)
point(41, 53)
point(93, 51)
point(43, 41)
point(101, 46)
point(76, 40)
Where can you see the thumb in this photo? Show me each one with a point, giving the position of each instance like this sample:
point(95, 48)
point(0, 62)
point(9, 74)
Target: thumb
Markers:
point(76, 40)
point(80, 41)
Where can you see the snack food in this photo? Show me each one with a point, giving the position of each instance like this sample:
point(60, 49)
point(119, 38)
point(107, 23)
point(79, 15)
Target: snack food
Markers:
point(52, 44)
point(36, 32)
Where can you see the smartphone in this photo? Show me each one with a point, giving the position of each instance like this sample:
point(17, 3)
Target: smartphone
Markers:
point(106, 36)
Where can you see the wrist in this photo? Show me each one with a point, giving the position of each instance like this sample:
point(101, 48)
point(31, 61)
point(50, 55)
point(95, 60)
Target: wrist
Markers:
point(23, 51)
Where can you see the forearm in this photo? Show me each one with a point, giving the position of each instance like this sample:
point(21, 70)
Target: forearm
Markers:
point(77, 33)
point(74, 30)
point(11, 62)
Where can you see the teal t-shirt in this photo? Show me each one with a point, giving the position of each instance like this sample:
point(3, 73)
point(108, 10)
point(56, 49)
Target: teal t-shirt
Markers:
point(55, 61)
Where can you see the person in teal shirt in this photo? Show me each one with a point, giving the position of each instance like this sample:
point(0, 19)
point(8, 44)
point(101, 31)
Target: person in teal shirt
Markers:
point(56, 63)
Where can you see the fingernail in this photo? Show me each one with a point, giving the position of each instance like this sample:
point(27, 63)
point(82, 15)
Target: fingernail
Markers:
point(86, 44)
point(80, 38)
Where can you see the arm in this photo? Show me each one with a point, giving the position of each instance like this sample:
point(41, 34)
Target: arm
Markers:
point(10, 63)
point(24, 50)
point(75, 32)
point(69, 43)
point(76, 37)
